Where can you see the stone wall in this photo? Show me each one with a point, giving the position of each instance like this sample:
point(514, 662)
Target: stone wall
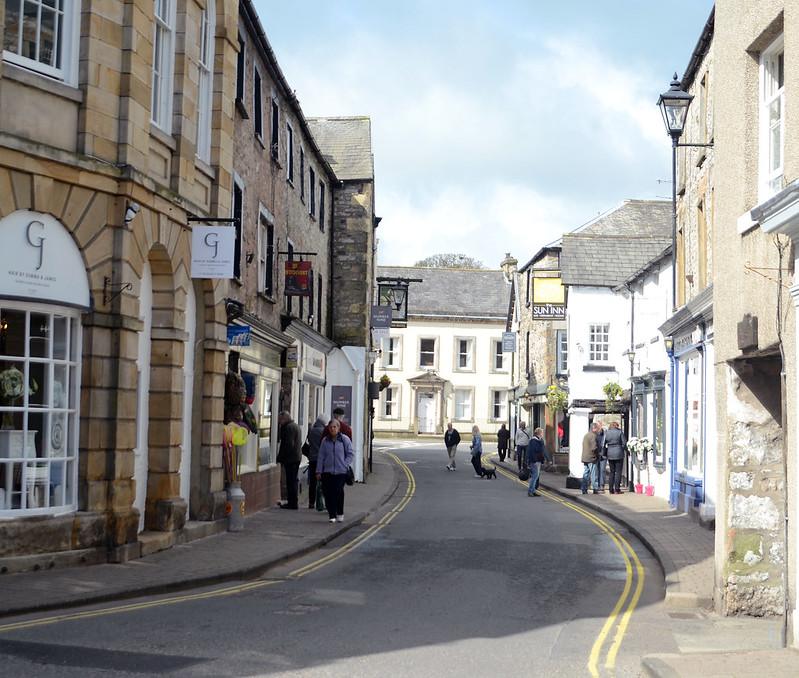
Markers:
point(353, 262)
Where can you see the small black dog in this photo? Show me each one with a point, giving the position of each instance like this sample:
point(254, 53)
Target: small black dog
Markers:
point(489, 473)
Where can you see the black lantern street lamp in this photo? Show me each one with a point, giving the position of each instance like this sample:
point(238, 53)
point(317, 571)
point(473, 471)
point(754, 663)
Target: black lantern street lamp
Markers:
point(674, 105)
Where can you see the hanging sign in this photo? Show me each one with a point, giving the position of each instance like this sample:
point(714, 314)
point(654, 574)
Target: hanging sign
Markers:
point(298, 278)
point(509, 342)
point(212, 251)
point(238, 335)
point(41, 261)
point(381, 323)
point(293, 356)
point(341, 396)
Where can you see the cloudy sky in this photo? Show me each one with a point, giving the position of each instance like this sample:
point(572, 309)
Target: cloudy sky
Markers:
point(496, 125)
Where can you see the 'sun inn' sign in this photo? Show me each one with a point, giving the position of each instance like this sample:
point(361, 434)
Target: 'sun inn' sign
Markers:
point(549, 311)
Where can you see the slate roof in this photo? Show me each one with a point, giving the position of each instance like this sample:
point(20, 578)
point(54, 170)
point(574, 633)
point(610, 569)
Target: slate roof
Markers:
point(617, 245)
point(346, 144)
point(453, 292)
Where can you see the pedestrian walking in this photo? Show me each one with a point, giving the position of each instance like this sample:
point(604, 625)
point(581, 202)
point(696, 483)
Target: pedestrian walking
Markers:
point(339, 415)
point(503, 438)
point(614, 445)
point(315, 434)
point(451, 439)
point(332, 465)
point(521, 439)
point(589, 458)
point(535, 455)
point(289, 455)
point(602, 460)
point(477, 451)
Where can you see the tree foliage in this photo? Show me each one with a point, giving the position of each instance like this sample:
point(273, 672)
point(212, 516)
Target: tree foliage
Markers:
point(449, 260)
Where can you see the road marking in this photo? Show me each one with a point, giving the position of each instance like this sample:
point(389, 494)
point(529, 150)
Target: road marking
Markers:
point(632, 573)
point(238, 588)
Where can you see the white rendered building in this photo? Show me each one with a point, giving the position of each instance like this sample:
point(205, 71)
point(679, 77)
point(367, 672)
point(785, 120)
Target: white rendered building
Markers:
point(447, 364)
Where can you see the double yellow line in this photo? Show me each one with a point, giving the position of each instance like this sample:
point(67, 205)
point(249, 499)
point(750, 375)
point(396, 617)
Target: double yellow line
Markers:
point(635, 576)
point(238, 588)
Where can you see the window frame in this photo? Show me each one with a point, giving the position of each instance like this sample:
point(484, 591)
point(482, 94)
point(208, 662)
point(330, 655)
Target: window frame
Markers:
point(498, 353)
point(274, 129)
point(561, 352)
point(238, 185)
point(311, 191)
point(769, 60)
point(464, 417)
point(395, 402)
point(302, 173)
point(322, 206)
point(394, 349)
point(502, 404)
point(319, 297)
point(470, 354)
point(266, 252)
point(205, 81)
point(257, 103)
point(162, 94)
point(592, 351)
point(419, 353)
point(241, 73)
point(68, 47)
point(289, 153)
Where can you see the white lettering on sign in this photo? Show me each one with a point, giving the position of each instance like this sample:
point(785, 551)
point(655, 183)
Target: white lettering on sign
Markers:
point(212, 251)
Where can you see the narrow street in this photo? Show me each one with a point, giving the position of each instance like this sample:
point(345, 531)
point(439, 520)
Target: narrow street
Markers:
point(457, 576)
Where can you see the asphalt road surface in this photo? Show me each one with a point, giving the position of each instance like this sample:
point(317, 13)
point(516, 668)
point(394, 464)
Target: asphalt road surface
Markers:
point(457, 577)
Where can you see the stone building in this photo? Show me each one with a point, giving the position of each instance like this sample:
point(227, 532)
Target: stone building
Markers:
point(282, 188)
point(115, 128)
point(448, 363)
point(690, 324)
point(754, 297)
point(538, 316)
point(597, 262)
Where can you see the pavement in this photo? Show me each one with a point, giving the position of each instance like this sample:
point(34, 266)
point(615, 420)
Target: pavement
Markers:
point(709, 645)
point(270, 537)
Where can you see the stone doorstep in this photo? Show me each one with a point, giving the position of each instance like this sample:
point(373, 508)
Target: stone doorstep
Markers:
point(772, 663)
point(152, 542)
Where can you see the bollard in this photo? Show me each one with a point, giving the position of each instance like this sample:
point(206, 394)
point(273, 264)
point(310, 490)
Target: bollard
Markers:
point(234, 508)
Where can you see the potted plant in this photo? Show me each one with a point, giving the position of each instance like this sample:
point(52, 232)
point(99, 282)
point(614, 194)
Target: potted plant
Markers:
point(640, 448)
point(557, 399)
point(384, 382)
point(612, 392)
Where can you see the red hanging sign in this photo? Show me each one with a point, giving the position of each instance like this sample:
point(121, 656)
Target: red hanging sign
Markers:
point(298, 278)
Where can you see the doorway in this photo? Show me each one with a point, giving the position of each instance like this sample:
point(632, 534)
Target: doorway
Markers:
point(141, 451)
point(426, 408)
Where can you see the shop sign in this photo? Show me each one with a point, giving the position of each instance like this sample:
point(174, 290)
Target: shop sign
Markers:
point(313, 362)
point(549, 311)
point(381, 323)
point(212, 251)
point(509, 342)
point(298, 278)
point(293, 356)
point(238, 335)
point(41, 261)
point(341, 396)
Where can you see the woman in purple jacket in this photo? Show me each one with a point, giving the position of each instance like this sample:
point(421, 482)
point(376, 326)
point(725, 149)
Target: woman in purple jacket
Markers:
point(335, 457)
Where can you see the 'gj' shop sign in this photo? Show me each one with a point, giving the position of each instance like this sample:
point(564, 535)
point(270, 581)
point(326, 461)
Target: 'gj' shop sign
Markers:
point(41, 261)
point(549, 311)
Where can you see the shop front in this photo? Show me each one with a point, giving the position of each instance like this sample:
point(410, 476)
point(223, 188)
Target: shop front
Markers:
point(306, 373)
point(44, 291)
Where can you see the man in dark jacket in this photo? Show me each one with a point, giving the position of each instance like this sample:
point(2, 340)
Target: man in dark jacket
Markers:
point(589, 458)
point(535, 457)
point(289, 455)
point(614, 445)
point(451, 440)
point(503, 436)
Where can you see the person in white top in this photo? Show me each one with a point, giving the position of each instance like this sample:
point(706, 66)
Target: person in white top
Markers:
point(521, 440)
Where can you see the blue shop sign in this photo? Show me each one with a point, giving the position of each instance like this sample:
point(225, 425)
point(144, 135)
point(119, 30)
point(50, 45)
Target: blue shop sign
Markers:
point(238, 335)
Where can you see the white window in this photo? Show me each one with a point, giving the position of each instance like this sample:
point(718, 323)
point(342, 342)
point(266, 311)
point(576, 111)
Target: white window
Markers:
point(562, 349)
point(499, 403)
point(391, 403)
point(257, 105)
point(772, 118)
point(289, 153)
point(464, 348)
point(39, 395)
point(392, 359)
point(427, 352)
point(497, 356)
point(163, 64)
point(463, 404)
point(598, 343)
point(266, 252)
point(42, 36)
point(206, 82)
